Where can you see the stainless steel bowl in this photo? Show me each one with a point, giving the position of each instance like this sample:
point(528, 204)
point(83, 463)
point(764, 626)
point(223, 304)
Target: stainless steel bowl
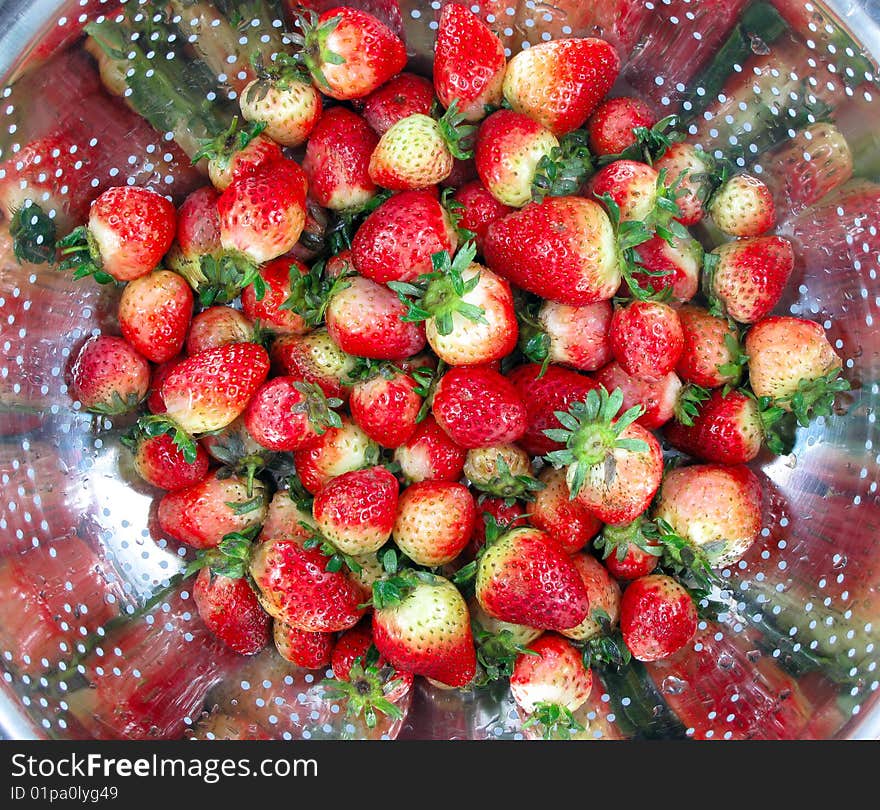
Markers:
point(76, 527)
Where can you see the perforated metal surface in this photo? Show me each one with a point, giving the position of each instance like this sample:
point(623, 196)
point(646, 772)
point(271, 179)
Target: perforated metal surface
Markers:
point(76, 523)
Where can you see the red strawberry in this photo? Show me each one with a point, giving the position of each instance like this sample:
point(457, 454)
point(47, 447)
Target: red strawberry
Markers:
point(560, 83)
point(229, 608)
point(556, 389)
point(356, 510)
point(109, 376)
point(350, 53)
point(714, 507)
point(198, 234)
point(633, 186)
point(202, 514)
point(236, 154)
point(210, 389)
point(284, 100)
point(554, 512)
point(791, 356)
point(748, 276)
point(300, 647)
point(406, 94)
point(295, 587)
point(288, 413)
point(429, 454)
point(435, 520)
point(611, 125)
point(678, 264)
point(263, 214)
point(163, 464)
point(577, 336)
point(397, 240)
point(657, 617)
point(524, 577)
point(658, 399)
point(366, 319)
point(614, 467)
point(154, 314)
point(743, 206)
point(627, 552)
point(337, 451)
point(386, 407)
point(479, 209)
point(712, 354)
point(469, 62)
point(422, 626)
point(506, 514)
point(337, 161)
point(477, 407)
point(129, 231)
point(285, 518)
point(317, 359)
point(727, 430)
point(647, 339)
point(218, 326)
point(508, 150)
point(268, 309)
point(688, 169)
point(155, 403)
point(563, 249)
point(604, 595)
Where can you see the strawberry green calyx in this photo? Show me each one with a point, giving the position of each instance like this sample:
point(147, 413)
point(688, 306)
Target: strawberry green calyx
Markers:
point(650, 144)
point(220, 279)
point(454, 210)
point(335, 558)
point(236, 461)
point(158, 424)
point(778, 425)
point(509, 486)
point(608, 648)
point(299, 494)
point(33, 234)
point(428, 380)
point(617, 539)
point(224, 146)
point(457, 135)
point(230, 558)
point(313, 40)
point(687, 406)
point(554, 721)
point(496, 653)
point(393, 589)
point(366, 688)
point(318, 407)
point(79, 252)
point(815, 398)
point(562, 172)
point(311, 293)
point(591, 433)
point(710, 265)
point(283, 71)
point(439, 294)
point(738, 359)
point(684, 561)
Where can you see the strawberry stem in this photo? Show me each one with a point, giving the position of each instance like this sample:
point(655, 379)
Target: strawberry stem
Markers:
point(457, 135)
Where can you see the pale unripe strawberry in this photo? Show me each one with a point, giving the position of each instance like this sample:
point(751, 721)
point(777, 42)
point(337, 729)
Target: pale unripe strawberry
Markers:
point(743, 206)
point(556, 676)
point(578, 335)
point(491, 469)
point(632, 185)
point(412, 154)
point(687, 170)
point(290, 110)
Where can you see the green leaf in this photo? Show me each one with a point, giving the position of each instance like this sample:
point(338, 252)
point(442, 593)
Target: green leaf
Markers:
point(565, 169)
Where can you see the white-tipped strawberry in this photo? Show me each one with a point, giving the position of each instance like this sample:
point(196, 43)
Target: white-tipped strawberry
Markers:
point(237, 152)
point(571, 336)
point(743, 206)
point(689, 170)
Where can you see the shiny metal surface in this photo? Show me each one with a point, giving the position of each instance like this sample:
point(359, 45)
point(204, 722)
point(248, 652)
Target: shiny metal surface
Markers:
point(64, 478)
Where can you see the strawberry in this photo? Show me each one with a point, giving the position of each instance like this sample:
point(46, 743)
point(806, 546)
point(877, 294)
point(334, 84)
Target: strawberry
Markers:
point(544, 392)
point(201, 515)
point(604, 595)
point(429, 454)
point(563, 249)
point(743, 206)
point(614, 467)
point(502, 470)
point(657, 617)
point(287, 518)
point(238, 153)
point(317, 359)
point(160, 462)
point(477, 208)
point(197, 237)
point(269, 308)
point(337, 161)
point(366, 319)
point(337, 451)
point(154, 314)
point(576, 336)
point(468, 310)
point(498, 643)
point(658, 400)
point(712, 354)
point(155, 403)
point(129, 231)
point(356, 511)
point(727, 430)
point(633, 186)
point(688, 170)
point(404, 95)
point(386, 407)
point(210, 389)
point(611, 125)
point(507, 153)
point(477, 407)
point(283, 99)
point(748, 276)
point(237, 451)
point(421, 625)
point(469, 62)
point(109, 376)
point(669, 265)
point(288, 413)
point(792, 362)
point(349, 52)
point(524, 577)
point(218, 326)
point(300, 647)
point(435, 520)
point(263, 214)
point(505, 512)
point(627, 551)
point(715, 508)
point(397, 240)
point(560, 83)
point(646, 338)
point(555, 513)
point(294, 586)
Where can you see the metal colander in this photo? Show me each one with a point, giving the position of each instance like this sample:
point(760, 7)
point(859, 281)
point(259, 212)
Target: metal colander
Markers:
point(98, 638)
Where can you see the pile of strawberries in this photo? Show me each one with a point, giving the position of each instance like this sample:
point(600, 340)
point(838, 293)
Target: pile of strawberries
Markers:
point(415, 398)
